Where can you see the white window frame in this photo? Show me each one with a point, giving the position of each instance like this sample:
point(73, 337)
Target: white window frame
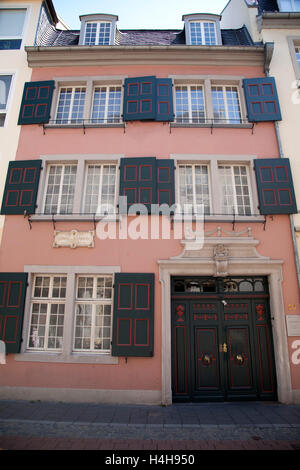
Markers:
point(66, 355)
point(190, 109)
point(194, 204)
point(80, 161)
point(293, 8)
point(97, 18)
point(293, 45)
point(18, 6)
point(233, 185)
point(213, 162)
point(89, 83)
point(69, 119)
point(93, 302)
point(225, 99)
point(106, 119)
point(49, 300)
point(209, 81)
point(202, 19)
point(98, 25)
point(202, 32)
point(99, 203)
point(59, 203)
point(4, 112)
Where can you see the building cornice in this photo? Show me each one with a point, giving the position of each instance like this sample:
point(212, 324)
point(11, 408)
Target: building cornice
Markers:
point(278, 20)
point(126, 55)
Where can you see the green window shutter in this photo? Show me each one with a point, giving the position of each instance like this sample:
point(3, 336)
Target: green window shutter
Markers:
point(165, 182)
point(261, 99)
point(36, 102)
point(133, 321)
point(21, 187)
point(164, 100)
point(12, 300)
point(138, 182)
point(139, 99)
point(275, 186)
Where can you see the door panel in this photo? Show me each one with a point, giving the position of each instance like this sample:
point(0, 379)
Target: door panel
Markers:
point(222, 347)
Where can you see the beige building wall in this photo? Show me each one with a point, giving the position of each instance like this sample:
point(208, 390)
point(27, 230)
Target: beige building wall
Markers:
point(237, 14)
point(14, 62)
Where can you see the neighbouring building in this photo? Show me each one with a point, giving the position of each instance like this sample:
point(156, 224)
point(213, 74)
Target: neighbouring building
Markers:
point(108, 300)
point(21, 24)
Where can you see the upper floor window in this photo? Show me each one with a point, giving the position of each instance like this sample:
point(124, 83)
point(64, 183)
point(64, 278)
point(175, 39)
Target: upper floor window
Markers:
point(60, 189)
point(235, 191)
point(226, 104)
point(97, 33)
point(202, 29)
point(203, 33)
point(11, 27)
point(97, 30)
point(189, 103)
point(106, 104)
point(70, 105)
point(5, 84)
point(289, 5)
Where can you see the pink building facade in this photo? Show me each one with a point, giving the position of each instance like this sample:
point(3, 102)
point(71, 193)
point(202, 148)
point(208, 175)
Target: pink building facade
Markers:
point(100, 303)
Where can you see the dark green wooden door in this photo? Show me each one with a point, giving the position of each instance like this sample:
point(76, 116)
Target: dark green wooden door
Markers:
point(222, 348)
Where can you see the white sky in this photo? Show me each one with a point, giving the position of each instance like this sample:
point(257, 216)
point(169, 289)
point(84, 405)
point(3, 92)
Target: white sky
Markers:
point(137, 14)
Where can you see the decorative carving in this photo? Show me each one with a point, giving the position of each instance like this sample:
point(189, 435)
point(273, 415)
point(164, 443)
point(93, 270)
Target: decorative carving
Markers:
point(221, 254)
point(73, 239)
point(180, 312)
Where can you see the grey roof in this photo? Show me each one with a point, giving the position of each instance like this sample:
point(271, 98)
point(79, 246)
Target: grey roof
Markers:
point(141, 37)
point(267, 5)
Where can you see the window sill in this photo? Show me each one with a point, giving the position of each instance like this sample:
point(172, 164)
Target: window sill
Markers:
point(73, 217)
point(73, 358)
point(212, 125)
point(83, 125)
point(222, 218)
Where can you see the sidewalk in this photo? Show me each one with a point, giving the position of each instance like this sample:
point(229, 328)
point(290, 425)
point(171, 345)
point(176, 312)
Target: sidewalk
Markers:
point(212, 426)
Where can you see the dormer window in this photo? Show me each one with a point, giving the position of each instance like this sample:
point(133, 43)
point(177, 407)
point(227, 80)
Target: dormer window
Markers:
point(202, 30)
point(289, 5)
point(97, 30)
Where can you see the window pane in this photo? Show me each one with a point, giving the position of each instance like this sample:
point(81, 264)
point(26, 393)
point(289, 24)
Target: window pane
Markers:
point(297, 51)
point(209, 33)
point(90, 33)
point(100, 189)
point(218, 99)
point(60, 189)
point(190, 103)
point(12, 22)
point(197, 104)
point(194, 187)
point(235, 190)
point(78, 105)
point(226, 105)
point(5, 82)
point(182, 104)
point(233, 105)
point(70, 107)
point(106, 104)
point(196, 34)
point(104, 33)
point(64, 105)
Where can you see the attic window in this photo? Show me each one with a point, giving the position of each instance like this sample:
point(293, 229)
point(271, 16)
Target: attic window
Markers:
point(203, 33)
point(289, 5)
point(97, 33)
point(202, 29)
point(98, 30)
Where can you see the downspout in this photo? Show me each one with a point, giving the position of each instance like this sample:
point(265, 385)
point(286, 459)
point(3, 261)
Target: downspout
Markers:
point(269, 47)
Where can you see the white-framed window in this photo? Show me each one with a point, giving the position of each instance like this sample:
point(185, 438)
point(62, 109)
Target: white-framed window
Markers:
point(12, 22)
point(60, 189)
point(235, 189)
point(289, 5)
point(203, 33)
point(194, 188)
point(97, 33)
point(100, 188)
point(47, 312)
point(70, 105)
point(297, 52)
point(226, 104)
point(106, 106)
point(93, 313)
point(5, 86)
point(189, 103)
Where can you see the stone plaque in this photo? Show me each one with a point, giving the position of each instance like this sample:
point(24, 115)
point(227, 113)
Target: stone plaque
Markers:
point(73, 239)
point(293, 325)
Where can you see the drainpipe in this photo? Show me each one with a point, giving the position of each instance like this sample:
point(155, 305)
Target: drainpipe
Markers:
point(292, 224)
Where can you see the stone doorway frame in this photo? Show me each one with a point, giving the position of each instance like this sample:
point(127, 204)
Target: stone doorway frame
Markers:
point(226, 256)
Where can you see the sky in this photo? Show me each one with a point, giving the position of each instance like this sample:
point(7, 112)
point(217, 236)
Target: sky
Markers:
point(137, 14)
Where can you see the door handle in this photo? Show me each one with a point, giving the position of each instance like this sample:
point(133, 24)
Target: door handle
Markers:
point(223, 348)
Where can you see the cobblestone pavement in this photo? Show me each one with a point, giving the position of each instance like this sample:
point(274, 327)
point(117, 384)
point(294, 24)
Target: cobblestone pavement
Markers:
point(205, 426)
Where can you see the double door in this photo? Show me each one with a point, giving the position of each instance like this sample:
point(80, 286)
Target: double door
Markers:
point(222, 349)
